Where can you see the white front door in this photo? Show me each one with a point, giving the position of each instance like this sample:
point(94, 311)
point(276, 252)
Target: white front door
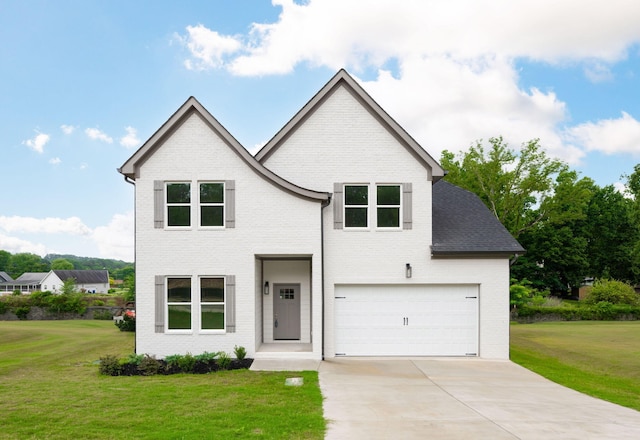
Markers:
point(407, 320)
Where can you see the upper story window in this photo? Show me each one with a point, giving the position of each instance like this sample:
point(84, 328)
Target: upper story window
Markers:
point(211, 204)
point(388, 209)
point(356, 206)
point(179, 204)
point(386, 206)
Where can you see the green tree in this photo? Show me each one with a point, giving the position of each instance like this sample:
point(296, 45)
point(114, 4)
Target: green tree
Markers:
point(69, 286)
point(61, 264)
point(613, 233)
point(25, 262)
point(514, 186)
point(5, 257)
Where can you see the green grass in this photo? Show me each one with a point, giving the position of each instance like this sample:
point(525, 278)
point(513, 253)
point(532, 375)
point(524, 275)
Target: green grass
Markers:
point(599, 358)
point(50, 389)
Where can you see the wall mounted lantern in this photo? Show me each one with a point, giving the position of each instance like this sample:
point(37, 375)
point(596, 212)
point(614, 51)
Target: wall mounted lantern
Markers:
point(266, 287)
point(408, 271)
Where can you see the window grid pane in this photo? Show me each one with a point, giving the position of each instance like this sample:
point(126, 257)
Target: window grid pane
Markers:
point(179, 303)
point(211, 204)
point(388, 198)
point(356, 201)
point(212, 303)
point(178, 204)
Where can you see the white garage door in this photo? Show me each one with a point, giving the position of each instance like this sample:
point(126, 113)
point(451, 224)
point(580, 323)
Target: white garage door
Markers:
point(416, 320)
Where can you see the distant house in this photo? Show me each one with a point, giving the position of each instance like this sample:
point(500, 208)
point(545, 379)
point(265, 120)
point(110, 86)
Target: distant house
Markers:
point(4, 277)
point(26, 283)
point(92, 281)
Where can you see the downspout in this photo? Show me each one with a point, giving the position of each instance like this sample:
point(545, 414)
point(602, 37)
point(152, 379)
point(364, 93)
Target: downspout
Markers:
point(133, 183)
point(324, 205)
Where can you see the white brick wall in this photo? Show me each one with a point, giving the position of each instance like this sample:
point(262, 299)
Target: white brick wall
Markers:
point(269, 221)
point(343, 142)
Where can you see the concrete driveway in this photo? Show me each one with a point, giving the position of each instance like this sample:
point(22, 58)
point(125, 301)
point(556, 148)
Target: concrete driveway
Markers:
point(461, 399)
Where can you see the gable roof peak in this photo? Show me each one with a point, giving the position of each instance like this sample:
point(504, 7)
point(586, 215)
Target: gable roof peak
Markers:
point(343, 78)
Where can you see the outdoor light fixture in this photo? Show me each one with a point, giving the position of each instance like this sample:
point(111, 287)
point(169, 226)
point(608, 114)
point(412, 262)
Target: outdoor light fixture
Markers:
point(408, 270)
point(266, 287)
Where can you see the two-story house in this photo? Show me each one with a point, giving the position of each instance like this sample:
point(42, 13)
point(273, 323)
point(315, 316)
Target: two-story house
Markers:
point(338, 238)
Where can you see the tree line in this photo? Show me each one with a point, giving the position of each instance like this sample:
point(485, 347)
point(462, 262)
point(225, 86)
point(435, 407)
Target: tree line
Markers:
point(571, 228)
point(17, 264)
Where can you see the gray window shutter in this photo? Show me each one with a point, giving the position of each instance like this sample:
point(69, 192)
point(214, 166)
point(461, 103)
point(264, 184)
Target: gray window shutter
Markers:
point(158, 204)
point(230, 203)
point(338, 203)
point(407, 209)
point(160, 303)
point(230, 304)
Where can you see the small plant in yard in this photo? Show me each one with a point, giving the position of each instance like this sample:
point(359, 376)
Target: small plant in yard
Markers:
point(22, 312)
point(104, 315)
point(149, 366)
point(224, 361)
point(240, 352)
point(110, 365)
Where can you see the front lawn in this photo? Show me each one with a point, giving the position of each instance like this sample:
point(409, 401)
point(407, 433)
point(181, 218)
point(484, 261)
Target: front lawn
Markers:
point(599, 358)
point(50, 388)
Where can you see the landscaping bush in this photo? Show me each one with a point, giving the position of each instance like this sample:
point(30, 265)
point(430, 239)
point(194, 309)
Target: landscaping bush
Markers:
point(22, 312)
point(612, 292)
point(585, 312)
point(521, 293)
point(145, 365)
point(240, 352)
point(3, 307)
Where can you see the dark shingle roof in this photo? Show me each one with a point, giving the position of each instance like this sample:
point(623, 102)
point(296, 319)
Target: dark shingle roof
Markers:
point(5, 277)
point(84, 276)
point(31, 277)
point(462, 224)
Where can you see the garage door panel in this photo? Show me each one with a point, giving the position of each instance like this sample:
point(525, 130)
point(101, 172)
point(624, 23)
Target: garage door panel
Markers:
point(424, 320)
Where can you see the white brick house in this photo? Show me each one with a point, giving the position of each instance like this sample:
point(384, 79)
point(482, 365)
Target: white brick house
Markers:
point(336, 239)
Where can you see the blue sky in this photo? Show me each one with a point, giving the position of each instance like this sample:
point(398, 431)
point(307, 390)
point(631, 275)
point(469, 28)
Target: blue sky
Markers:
point(85, 83)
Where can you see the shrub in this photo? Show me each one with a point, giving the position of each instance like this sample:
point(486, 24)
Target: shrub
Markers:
point(68, 302)
point(186, 363)
point(224, 360)
point(40, 299)
point(22, 312)
point(110, 366)
point(149, 365)
point(613, 292)
point(240, 352)
point(206, 356)
point(17, 292)
point(3, 307)
point(521, 293)
point(133, 359)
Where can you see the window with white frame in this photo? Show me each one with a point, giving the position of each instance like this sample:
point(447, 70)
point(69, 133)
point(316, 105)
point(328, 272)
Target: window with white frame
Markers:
point(359, 205)
point(179, 304)
point(212, 303)
point(178, 204)
point(356, 206)
point(388, 206)
point(211, 197)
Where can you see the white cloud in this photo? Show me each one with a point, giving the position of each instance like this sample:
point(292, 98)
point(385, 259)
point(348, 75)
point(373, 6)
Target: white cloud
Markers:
point(67, 129)
point(15, 245)
point(610, 136)
point(97, 134)
point(208, 48)
point(49, 225)
point(116, 240)
point(38, 142)
point(456, 79)
point(343, 33)
point(55, 161)
point(84, 166)
point(130, 140)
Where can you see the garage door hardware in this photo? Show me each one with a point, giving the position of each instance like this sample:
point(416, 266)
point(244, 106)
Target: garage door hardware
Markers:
point(406, 321)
